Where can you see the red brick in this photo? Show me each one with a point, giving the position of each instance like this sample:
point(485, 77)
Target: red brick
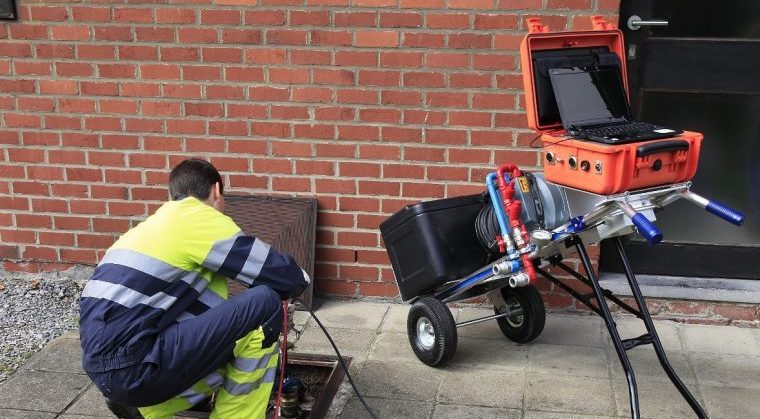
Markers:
point(133, 15)
point(118, 106)
point(73, 69)
point(228, 128)
point(101, 225)
point(35, 104)
point(15, 49)
point(313, 167)
point(367, 97)
point(288, 75)
point(201, 73)
point(309, 18)
point(198, 35)
point(320, 131)
point(445, 136)
point(270, 129)
point(379, 78)
point(265, 17)
point(424, 117)
point(447, 99)
point(154, 34)
point(138, 52)
point(380, 115)
point(140, 89)
point(126, 208)
point(53, 14)
point(337, 186)
point(26, 31)
point(493, 62)
point(334, 113)
point(400, 20)
point(471, 4)
point(122, 142)
point(44, 173)
point(291, 149)
point(31, 68)
point(56, 239)
point(336, 150)
point(291, 184)
point(422, 4)
point(401, 59)
point(355, 19)
point(79, 256)
point(18, 236)
point(286, 37)
point(356, 58)
point(369, 187)
point(312, 94)
point(401, 134)
point(358, 239)
point(376, 39)
point(469, 41)
point(358, 133)
point(569, 4)
point(70, 33)
point(518, 157)
point(496, 21)
point(325, 272)
point(248, 111)
point(90, 14)
point(101, 159)
point(113, 33)
point(248, 181)
point(447, 60)
point(180, 54)
point(221, 17)
point(22, 120)
point(471, 119)
point(265, 56)
point(251, 74)
point(222, 55)
point(447, 20)
point(175, 15)
point(332, 38)
point(519, 5)
point(424, 79)
point(333, 76)
point(40, 253)
point(14, 203)
point(554, 22)
point(115, 71)
point(123, 176)
point(96, 52)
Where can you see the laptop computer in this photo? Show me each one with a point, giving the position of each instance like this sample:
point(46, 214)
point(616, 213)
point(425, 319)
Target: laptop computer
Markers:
point(593, 106)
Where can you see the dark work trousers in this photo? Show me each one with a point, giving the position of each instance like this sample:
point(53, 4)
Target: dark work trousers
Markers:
point(189, 351)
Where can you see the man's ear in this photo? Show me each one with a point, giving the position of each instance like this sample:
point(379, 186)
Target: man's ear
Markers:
point(217, 191)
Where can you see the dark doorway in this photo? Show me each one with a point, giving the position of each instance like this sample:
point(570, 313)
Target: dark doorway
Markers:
point(701, 72)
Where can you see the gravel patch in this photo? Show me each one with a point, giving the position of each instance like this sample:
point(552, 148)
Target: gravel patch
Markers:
point(35, 309)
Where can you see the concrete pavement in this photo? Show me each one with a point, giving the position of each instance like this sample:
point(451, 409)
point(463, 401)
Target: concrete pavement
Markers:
point(570, 371)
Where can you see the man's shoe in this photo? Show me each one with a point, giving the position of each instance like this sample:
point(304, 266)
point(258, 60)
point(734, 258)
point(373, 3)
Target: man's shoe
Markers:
point(123, 412)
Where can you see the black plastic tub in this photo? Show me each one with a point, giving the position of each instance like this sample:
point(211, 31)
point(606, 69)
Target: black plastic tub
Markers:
point(434, 242)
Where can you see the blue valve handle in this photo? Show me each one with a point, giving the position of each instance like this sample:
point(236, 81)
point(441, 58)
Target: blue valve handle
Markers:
point(729, 214)
point(647, 229)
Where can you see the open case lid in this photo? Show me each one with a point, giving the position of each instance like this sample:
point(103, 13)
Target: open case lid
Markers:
point(541, 50)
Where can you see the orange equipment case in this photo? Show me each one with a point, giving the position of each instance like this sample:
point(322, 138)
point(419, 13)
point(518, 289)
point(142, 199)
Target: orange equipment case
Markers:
point(587, 165)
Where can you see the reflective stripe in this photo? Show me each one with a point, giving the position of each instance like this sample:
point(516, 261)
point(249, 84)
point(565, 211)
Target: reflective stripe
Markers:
point(239, 389)
point(184, 316)
point(219, 251)
point(154, 267)
point(126, 296)
point(255, 261)
point(210, 298)
point(253, 364)
point(213, 381)
point(306, 276)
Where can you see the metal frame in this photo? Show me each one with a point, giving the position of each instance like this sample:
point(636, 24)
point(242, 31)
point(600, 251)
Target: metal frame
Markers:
point(600, 297)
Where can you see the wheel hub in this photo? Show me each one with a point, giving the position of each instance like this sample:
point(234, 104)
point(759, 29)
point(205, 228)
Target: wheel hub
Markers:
point(425, 333)
point(513, 305)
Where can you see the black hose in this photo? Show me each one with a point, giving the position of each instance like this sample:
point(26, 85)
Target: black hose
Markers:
point(340, 359)
point(487, 229)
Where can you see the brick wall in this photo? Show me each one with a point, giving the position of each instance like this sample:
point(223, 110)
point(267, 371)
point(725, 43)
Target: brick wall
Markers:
point(366, 104)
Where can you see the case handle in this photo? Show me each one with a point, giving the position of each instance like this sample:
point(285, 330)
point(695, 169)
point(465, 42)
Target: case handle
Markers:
point(659, 146)
point(598, 23)
point(646, 228)
point(535, 25)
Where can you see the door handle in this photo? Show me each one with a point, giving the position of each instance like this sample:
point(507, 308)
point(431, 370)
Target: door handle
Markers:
point(635, 23)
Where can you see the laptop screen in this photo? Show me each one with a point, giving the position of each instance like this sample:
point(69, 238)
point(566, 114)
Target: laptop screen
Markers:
point(587, 97)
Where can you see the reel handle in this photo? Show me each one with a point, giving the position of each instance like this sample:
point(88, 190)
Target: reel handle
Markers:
point(725, 212)
point(646, 228)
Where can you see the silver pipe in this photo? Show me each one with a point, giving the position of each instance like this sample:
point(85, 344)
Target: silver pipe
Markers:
point(495, 316)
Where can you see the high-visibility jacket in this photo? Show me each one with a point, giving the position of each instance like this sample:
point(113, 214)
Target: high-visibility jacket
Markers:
point(171, 267)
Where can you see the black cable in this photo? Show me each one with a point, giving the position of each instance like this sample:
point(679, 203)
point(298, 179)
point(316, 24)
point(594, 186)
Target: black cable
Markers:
point(340, 359)
point(487, 229)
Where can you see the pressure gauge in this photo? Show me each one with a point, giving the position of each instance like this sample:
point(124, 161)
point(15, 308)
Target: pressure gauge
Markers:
point(540, 237)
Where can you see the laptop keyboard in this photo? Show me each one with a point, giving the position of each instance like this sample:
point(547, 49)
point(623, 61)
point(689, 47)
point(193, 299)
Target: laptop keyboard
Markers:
point(621, 130)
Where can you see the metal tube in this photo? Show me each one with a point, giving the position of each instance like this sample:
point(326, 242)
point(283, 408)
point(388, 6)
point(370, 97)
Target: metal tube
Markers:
point(495, 316)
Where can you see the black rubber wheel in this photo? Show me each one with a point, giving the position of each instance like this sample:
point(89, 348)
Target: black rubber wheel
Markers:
point(432, 331)
point(528, 321)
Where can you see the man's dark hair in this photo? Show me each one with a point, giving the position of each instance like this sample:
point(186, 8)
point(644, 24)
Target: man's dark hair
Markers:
point(193, 177)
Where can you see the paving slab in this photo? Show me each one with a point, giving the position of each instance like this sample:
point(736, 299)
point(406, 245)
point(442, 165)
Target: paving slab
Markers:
point(727, 370)
point(656, 400)
point(351, 315)
point(413, 382)
point(25, 414)
point(731, 402)
point(631, 327)
point(63, 354)
point(41, 391)
point(387, 409)
point(561, 393)
point(646, 365)
point(573, 330)
point(486, 387)
point(537, 414)
point(355, 343)
point(91, 402)
point(496, 354)
point(720, 340)
point(395, 318)
point(460, 411)
point(395, 347)
point(486, 330)
point(580, 361)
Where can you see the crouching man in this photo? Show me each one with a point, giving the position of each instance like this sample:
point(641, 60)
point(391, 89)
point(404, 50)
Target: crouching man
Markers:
point(156, 327)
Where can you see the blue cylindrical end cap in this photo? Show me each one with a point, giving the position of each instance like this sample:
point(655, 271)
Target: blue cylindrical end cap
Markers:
point(725, 212)
point(647, 229)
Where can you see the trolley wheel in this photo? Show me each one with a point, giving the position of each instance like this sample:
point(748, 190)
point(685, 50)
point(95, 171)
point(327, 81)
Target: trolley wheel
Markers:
point(530, 315)
point(432, 331)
